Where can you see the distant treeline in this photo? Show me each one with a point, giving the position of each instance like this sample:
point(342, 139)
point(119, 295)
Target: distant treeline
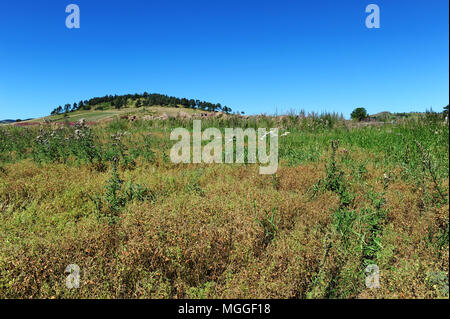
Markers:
point(145, 99)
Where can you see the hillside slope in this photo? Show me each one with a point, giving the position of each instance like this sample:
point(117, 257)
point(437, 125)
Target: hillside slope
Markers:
point(99, 109)
point(99, 116)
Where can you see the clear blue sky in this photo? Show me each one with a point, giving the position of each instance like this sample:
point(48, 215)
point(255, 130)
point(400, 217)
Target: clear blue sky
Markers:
point(254, 56)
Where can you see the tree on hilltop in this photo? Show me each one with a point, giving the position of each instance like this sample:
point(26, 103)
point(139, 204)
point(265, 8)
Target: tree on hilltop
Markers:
point(67, 108)
point(359, 114)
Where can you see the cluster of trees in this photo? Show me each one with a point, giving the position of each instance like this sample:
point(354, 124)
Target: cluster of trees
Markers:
point(145, 99)
point(69, 108)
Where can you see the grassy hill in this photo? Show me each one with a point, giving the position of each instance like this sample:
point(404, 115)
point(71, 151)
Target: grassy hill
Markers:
point(107, 107)
point(109, 114)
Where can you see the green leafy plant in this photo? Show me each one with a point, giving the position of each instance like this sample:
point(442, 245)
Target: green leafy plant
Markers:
point(269, 223)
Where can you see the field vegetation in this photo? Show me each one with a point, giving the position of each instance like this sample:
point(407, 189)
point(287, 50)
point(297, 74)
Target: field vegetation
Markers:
point(107, 198)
